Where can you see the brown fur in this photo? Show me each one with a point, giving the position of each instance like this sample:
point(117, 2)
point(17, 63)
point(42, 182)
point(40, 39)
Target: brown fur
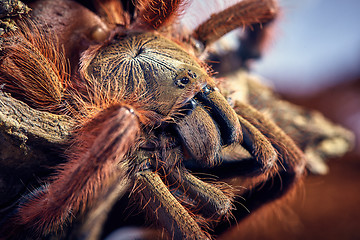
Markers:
point(154, 14)
point(244, 13)
point(99, 147)
point(113, 12)
point(34, 68)
point(288, 151)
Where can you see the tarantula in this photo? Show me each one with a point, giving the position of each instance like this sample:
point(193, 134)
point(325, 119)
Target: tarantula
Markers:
point(146, 110)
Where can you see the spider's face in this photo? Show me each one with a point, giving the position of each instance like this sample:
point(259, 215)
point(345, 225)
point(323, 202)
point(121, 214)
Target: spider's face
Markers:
point(151, 67)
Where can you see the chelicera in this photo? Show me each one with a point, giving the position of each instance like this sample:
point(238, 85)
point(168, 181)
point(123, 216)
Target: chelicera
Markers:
point(146, 111)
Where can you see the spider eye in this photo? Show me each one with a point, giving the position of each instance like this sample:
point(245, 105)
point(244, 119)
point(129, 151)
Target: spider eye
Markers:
point(185, 80)
point(192, 74)
point(184, 77)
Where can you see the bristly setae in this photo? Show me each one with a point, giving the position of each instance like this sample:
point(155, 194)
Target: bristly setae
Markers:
point(146, 111)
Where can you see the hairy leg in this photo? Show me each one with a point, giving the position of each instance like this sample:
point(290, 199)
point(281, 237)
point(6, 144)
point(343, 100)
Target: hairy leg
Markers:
point(169, 212)
point(99, 148)
point(244, 13)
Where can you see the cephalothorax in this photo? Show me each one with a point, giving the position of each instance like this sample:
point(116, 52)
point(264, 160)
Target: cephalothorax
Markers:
point(145, 110)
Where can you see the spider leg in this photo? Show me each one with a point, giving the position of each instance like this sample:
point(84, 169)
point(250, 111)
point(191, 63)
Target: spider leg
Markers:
point(33, 68)
point(271, 147)
point(290, 155)
point(275, 159)
point(91, 225)
point(215, 203)
point(284, 175)
point(175, 197)
point(99, 150)
point(210, 201)
point(169, 212)
point(244, 13)
point(154, 14)
point(256, 144)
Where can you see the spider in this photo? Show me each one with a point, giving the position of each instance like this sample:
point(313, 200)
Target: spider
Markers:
point(146, 112)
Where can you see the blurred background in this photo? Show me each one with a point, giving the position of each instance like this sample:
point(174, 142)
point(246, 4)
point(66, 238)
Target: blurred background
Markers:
point(316, 45)
point(312, 60)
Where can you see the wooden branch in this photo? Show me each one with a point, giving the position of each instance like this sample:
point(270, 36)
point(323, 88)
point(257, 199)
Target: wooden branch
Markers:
point(30, 141)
